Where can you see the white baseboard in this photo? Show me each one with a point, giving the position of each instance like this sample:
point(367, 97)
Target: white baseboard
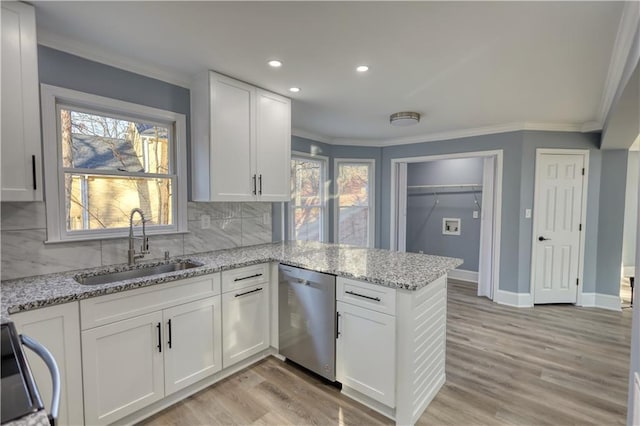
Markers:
point(463, 275)
point(627, 271)
point(509, 298)
point(604, 301)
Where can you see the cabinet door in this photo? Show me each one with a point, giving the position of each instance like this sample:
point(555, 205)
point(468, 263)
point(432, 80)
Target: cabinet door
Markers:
point(58, 329)
point(193, 339)
point(232, 115)
point(21, 152)
point(365, 352)
point(245, 323)
point(122, 368)
point(273, 134)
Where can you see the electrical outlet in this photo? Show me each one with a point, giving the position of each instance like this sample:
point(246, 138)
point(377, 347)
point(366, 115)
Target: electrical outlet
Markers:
point(205, 221)
point(527, 213)
point(475, 214)
point(266, 219)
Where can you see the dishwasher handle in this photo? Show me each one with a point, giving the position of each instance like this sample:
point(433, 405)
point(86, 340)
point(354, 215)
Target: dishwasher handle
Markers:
point(48, 359)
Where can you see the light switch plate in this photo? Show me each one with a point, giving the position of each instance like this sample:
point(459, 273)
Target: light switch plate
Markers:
point(527, 213)
point(205, 221)
point(475, 214)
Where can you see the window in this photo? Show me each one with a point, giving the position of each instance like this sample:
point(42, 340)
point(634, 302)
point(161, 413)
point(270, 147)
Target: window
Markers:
point(354, 223)
point(307, 209)
point(105, 157)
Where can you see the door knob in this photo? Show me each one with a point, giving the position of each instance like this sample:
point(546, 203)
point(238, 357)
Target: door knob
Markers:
point(543, 239)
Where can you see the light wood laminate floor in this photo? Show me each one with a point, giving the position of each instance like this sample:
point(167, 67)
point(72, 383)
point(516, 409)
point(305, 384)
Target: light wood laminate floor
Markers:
point(553, 364)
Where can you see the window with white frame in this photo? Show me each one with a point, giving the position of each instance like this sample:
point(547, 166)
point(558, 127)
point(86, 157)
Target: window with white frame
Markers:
point(354, 202)
point(105, 157)
point(308, 206)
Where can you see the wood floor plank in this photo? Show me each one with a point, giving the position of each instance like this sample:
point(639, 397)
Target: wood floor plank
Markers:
point(547, 365)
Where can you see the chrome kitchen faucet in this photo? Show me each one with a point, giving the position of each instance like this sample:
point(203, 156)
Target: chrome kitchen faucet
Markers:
point(144, 248)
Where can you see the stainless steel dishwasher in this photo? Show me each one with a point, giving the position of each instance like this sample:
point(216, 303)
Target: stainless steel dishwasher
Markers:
point(307, 319)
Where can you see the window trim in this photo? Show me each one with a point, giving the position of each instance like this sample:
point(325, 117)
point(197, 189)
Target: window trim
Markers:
point(324, 196)
point(51, 96)
point(371, 237)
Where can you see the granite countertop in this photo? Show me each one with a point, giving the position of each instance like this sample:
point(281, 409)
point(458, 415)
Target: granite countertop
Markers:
point(408, 271)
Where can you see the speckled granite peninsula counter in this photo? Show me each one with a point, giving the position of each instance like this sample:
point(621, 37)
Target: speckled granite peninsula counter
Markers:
point(390, 341)
point(409, 271)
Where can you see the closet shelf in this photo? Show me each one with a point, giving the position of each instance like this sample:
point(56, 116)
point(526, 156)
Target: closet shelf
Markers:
point(444, 189)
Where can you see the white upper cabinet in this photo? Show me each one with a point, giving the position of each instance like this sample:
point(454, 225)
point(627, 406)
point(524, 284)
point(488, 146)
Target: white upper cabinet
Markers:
point(273, 147)
point(21, 151)
point(241, 141)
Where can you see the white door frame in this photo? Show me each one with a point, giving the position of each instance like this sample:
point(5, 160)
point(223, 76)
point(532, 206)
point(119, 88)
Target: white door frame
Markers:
point(397, 233)
point(583, 217)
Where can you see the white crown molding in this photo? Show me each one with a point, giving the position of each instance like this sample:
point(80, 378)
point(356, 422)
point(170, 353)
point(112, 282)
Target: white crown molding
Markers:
point(312, 136)
point(92, 53)
point(463, 133)
point(629, 23)
point(591, 126)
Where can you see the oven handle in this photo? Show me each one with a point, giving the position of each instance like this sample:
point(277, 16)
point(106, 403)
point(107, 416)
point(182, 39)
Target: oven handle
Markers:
point(48, 359)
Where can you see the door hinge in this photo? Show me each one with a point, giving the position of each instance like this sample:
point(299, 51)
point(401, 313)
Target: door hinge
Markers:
point(577, 281)
point(583, 171)
point(580, 227)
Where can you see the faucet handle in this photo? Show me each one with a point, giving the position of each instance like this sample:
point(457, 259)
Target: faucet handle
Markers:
point(145, 245)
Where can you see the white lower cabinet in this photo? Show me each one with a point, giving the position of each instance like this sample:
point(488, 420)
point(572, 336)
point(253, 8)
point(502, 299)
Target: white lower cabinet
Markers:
point(58, 329)
point(192, 343)
point(366, 352)
point(141, 358)
point(245, 324)
point(122, 367)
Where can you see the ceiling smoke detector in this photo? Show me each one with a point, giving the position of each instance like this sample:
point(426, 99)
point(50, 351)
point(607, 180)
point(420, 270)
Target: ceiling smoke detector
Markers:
point(405, 118)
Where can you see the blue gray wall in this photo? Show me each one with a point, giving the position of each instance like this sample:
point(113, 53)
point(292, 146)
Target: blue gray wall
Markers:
point(631, 211)
point(611, 220)
point(424, 215)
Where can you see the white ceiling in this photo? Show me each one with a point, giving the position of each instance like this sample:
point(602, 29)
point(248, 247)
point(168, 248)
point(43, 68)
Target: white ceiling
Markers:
point(468, 67)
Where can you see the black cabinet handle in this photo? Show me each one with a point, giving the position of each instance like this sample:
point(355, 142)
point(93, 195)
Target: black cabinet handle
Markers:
point(33, 171)
point(377, 299)
point(254, 184)
point(159, 327)
point(543, 239)
point(260, 180)
point(248, 292)
point(246, 278)
point(169, 341)
point(337, 325)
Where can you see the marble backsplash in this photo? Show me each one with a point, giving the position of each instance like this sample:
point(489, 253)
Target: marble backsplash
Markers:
point(23, 232)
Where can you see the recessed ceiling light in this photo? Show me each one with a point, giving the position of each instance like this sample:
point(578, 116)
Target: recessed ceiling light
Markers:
point(362, 68)
point(275, 63)
point(294, 89)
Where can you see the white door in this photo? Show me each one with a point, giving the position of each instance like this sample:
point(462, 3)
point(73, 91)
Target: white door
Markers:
point(273, 146)
point(365, 352)
point(245, 329)
point(485, 264)
point(193, 343)
point(232, 139)
point(122, 368)
point(556, 227)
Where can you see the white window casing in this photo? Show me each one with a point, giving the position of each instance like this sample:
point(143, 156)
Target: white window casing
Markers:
point(370, 163)
point(324, 192)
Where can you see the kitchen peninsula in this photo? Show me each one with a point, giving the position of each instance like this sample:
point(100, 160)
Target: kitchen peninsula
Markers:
point(411, 298)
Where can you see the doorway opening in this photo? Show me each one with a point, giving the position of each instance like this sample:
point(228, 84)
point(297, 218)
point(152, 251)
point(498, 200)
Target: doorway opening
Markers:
point(450, 205)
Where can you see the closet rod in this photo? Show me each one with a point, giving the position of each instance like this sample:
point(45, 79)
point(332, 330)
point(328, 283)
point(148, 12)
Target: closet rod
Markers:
point(464, 185)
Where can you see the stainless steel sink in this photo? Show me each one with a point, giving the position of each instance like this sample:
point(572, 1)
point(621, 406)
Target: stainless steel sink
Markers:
point(145, 271)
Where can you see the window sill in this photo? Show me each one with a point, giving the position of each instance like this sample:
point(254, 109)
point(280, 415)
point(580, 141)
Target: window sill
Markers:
point(137, 234)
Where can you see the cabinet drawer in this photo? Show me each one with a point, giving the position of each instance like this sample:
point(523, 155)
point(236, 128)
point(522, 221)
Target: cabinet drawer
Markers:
point(126, 304)
point(245, 277)
point(370, 296)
